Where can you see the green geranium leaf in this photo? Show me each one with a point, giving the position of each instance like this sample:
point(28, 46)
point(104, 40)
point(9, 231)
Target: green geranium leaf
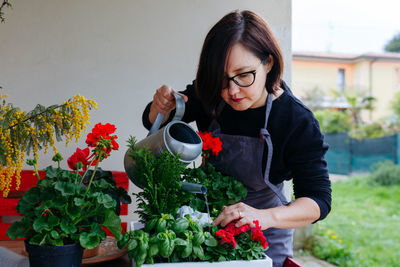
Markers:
point(113, 223)
point(96, 228)
point(52, 221)
point(79, 201)
point(106, 200)
point(67, 226)
point(40, 223)
point(73, 211)
point(66, 189)
point(38, 239)
point(28, 201)
point(89, 240)
point(19, 229)
point(54, 234)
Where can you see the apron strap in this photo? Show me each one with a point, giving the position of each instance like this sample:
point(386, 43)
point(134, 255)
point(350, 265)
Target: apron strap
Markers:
point(264, 134)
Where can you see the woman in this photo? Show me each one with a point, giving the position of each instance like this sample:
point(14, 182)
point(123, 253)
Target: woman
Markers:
point(268, 135)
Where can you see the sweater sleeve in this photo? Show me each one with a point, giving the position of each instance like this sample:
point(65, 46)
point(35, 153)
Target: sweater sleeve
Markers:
point(307, 163)
point(192, 108)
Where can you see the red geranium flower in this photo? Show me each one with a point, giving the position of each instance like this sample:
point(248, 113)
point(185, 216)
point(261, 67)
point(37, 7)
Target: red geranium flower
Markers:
point(227, 238)
point(231, 228)
point(101, 139)
point(101, 131)
point(258, 235)
point(80, 156)
point(210, 143)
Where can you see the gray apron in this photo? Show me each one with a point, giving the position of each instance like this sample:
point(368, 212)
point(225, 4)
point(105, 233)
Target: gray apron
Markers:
point(241, 157)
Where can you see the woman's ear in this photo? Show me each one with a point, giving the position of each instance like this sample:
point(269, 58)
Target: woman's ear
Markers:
point(270, 63)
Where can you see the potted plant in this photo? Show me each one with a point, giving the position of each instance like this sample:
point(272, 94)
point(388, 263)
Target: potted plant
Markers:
point(176, 224)
point(66, 211)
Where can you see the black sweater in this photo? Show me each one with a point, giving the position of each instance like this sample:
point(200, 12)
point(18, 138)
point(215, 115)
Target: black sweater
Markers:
point(298, 145)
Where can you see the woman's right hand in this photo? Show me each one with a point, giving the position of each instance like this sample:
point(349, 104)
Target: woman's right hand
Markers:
point(163, 102)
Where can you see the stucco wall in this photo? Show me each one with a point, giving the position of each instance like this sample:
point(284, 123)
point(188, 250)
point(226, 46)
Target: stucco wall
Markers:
point(307, 75)
point(115, 52)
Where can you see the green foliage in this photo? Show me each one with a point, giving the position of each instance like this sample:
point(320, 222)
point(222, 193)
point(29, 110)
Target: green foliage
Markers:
point(364, 219)
point(394, 44)
point(333, 121)
point(166, 239)
point(385, 173)
point(60, 210)
point(221, 190)
point(313, 98)
point(371, 130)
point(325, 247)
point(160, 178)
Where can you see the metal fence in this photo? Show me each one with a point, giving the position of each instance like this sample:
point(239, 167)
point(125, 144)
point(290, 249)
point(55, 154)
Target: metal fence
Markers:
point(347, 155)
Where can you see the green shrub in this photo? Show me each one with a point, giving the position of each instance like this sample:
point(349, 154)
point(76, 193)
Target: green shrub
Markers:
point(326, 245)
point(333, 121)
point(372, 130)
point(385, 173)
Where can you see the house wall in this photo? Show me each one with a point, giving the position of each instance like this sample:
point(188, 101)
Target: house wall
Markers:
point(378, 77)
point(384, 87)
point(115, 52)
point(307, 75)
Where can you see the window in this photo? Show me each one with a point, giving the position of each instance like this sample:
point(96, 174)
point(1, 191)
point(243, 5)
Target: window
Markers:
point(396, 78)
point(341, 79)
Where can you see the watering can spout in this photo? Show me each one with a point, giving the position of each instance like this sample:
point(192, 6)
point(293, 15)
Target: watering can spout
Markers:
point(194, 188)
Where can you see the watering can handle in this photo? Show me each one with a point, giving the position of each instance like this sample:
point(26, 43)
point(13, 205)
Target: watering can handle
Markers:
point(179, 111)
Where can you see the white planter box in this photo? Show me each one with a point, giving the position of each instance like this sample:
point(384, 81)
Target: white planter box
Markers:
point(266, 262)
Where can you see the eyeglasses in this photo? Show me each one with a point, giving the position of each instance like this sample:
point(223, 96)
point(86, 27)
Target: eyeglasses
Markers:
point(244, 79)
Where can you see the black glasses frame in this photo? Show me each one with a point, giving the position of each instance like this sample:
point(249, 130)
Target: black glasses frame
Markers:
point(247, 72)
point(237, 83)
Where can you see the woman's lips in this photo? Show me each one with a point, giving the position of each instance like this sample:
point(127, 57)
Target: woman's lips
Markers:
point(237, 100)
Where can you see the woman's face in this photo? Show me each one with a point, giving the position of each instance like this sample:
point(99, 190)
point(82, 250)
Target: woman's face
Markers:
point(240, 60)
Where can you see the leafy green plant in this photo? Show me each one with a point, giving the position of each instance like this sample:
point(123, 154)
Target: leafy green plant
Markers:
point(385, 173)
point(326, 245)
point(221, 190)
point(371, 130)
point(333, 121)
point(66, 207)
point(165, 238)
point(160, 178)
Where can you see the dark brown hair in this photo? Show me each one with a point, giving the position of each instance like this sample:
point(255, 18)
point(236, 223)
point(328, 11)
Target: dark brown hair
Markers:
point(248, 29)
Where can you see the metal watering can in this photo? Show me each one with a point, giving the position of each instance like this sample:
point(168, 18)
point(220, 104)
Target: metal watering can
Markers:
point(177, 137)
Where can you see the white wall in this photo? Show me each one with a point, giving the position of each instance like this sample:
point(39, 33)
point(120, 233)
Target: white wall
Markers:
point(115, 52)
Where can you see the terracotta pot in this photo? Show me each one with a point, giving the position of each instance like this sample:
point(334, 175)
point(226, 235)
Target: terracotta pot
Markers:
point(88, 253)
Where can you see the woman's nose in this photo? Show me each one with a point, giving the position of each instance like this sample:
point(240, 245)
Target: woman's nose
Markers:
point(233, 88)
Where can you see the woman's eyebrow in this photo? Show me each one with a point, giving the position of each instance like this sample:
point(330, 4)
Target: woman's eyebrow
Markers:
point(242, 68)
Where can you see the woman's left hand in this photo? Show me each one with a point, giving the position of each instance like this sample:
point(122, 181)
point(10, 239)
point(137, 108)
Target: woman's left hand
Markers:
point(239, 211)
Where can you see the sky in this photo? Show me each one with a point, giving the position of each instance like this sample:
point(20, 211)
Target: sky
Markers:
point(344, 26)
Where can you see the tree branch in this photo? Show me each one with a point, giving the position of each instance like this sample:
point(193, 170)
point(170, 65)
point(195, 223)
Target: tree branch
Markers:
point(6, 3)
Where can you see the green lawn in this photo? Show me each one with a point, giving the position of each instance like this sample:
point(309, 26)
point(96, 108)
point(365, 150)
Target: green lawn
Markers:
point(363, 228)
